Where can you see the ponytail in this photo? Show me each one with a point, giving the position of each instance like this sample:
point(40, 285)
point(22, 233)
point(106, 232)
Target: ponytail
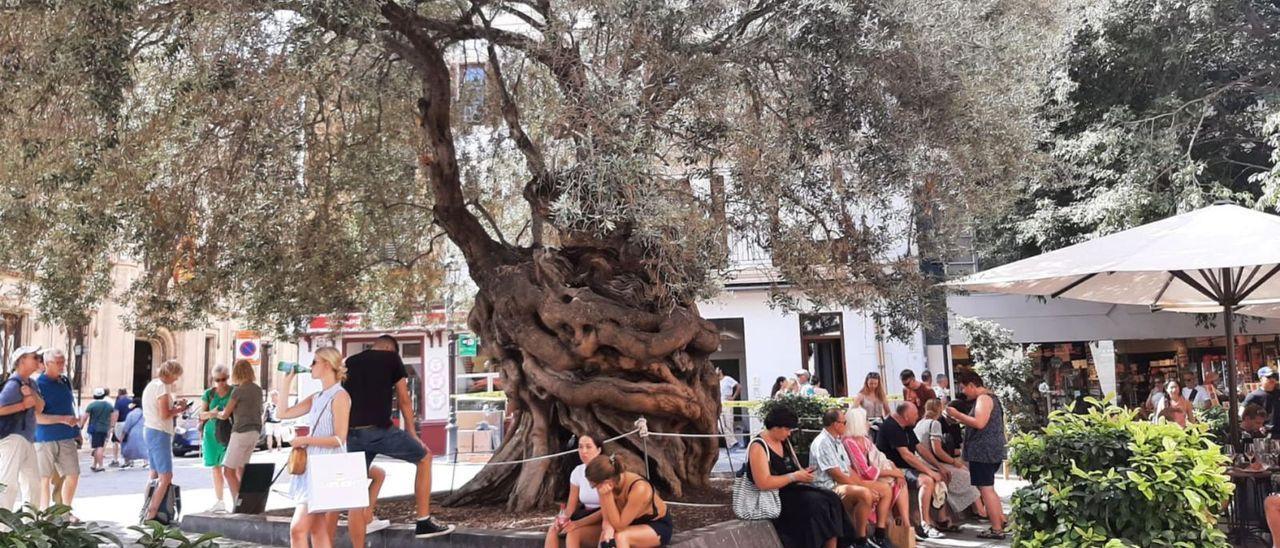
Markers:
point(604, 468)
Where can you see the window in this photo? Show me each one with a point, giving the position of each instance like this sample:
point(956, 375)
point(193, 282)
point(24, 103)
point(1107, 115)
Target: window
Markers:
point(10, 335)
point(471, 92)
point(411, 350)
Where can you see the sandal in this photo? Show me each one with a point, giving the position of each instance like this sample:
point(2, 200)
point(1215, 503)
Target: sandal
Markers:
point(992, 534)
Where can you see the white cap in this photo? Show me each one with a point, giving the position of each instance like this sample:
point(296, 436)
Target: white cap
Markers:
point(19, 352)
point(804, 372)
point(99, 393)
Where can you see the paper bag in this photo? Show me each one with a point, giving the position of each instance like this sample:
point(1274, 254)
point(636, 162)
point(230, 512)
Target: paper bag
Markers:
point(337, 482)
point(901, 535)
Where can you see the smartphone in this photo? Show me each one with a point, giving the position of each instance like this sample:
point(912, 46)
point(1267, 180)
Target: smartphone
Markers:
point(291, 367)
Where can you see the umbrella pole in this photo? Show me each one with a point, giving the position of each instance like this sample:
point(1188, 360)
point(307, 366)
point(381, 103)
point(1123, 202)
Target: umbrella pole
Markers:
point(1233, 414)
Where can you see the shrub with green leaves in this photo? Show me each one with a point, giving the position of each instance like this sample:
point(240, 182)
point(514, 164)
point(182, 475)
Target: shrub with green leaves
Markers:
point(50, 529)
point(153, 534)
point(1215, 421)
point(809, 409)
point(1108, 479)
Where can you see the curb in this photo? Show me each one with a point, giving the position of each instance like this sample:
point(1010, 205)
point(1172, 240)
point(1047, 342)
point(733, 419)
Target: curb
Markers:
point(274, 530)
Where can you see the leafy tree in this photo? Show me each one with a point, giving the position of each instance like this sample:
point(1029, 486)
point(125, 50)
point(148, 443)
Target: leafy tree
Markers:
point(1006, 368)
point(282, 159)
point(1157, 109)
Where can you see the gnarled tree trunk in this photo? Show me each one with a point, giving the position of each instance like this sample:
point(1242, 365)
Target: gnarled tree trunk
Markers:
point(584, 348)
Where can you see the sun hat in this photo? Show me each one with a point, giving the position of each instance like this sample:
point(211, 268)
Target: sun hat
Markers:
point(21, 351)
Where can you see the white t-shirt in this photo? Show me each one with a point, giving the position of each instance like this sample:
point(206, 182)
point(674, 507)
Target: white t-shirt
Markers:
point(587, 495)
point(727, 384)
point(1202, 396)
point(151, 406)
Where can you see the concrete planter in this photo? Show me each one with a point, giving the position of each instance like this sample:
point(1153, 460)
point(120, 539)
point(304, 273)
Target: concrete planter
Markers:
point(274, 530)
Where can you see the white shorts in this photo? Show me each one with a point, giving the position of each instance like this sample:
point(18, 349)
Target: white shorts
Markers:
point(240, 448)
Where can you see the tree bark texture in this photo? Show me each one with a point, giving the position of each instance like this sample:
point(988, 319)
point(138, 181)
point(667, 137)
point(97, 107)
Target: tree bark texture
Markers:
point(584, 348)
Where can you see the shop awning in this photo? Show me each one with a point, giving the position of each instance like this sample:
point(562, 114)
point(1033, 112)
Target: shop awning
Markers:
point(1222, 258)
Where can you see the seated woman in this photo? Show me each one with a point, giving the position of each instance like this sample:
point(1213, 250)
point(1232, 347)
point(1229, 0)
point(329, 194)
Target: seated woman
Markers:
point(960, 494)
point(811, 517)
point(634, 515)
point(870, 464)
point(580, 520)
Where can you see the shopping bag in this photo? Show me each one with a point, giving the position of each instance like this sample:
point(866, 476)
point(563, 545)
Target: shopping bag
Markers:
point(337, 482)
point(901, 535)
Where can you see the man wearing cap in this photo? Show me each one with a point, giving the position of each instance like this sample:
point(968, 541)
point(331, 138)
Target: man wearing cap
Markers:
point(101, 418)
point(1268, 397)
point(19, 403)
point(56, 431)
point(802, 382)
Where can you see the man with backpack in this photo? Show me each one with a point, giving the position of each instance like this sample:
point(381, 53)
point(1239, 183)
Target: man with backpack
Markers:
point(19, 403)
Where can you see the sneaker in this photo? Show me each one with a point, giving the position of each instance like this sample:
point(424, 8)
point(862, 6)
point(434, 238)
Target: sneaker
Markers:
point(881, 541)
point(376, 525)
point(429, 528)
point(926, 532)
point(217, 508)
point(870, 542)
point(115, 464)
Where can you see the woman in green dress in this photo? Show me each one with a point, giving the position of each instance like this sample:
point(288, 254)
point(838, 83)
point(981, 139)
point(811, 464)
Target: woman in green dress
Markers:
point(214, 400)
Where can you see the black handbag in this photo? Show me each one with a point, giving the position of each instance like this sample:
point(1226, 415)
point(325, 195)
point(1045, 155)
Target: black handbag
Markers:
point(222, 431)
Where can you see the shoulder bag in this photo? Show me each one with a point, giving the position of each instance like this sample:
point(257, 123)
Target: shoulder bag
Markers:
point(752, 503)
point(297, 464)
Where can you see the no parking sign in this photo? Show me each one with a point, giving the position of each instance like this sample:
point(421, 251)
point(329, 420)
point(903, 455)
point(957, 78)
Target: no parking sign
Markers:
point(247, 346)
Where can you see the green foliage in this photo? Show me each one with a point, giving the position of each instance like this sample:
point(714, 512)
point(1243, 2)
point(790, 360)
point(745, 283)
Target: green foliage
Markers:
point(809, 409)
point(1158, 108)
point(154, 535)
point(1214, 420)
point(1006, 369)
point(1107, 478)
point(50, 529)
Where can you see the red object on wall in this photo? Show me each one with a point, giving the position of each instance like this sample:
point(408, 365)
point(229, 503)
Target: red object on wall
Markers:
point(433, 434)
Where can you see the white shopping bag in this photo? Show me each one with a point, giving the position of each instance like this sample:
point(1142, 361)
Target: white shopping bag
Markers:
point(337, 482)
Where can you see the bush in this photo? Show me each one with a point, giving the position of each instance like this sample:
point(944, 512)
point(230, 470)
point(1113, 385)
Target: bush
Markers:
point(1108, 479)
point(155, 535)
point(50, 528)
point(1215, 421)
point(809, 409)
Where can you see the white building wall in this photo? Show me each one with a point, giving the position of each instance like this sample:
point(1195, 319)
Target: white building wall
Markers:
point(772, 341)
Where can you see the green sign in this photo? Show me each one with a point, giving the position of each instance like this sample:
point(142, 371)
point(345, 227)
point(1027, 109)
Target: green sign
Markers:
point(467, 345)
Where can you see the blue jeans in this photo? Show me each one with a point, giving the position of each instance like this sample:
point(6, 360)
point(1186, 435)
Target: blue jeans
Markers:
point(392, 442)
point(159, 450)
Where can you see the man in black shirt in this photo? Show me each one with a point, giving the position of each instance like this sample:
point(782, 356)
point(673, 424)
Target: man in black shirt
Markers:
point(1267, 397)
point(898, 441)
point(372, 378)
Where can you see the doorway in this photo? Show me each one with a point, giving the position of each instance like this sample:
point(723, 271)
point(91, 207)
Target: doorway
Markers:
point(822, 350)
point(143, 356)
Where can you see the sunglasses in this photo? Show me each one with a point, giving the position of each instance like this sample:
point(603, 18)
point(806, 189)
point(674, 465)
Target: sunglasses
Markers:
point(220, 379)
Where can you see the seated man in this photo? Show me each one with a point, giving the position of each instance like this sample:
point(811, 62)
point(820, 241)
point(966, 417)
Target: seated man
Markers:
point(1253, 421)
point(834, 471)
point(898, 442)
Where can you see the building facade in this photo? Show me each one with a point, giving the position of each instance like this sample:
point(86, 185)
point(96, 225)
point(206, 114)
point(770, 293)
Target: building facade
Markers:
point(111, 356)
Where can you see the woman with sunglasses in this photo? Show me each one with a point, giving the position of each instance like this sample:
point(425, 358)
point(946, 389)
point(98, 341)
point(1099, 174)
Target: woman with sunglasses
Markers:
point(212, 402)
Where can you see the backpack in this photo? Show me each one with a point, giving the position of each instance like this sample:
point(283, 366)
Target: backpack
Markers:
point(170, 508)
point(11, 423)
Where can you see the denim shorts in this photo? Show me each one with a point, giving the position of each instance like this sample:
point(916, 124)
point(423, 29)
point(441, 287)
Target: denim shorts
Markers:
point(392, 442)
point(159, 450)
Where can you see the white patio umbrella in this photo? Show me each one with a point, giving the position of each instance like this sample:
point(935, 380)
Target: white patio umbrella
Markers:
point(1222, 258)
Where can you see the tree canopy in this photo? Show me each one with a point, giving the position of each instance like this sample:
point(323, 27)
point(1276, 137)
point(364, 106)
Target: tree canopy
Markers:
point(1157, 108)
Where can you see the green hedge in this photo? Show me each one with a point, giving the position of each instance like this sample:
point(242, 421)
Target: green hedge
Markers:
point(1110, 480)
point(809, 409)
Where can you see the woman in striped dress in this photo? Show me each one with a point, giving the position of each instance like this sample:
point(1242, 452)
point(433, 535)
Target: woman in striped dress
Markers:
point(327, 412)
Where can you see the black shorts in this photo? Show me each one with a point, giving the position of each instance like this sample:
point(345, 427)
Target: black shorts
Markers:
point(663, 527)
point(583, 512)
point(983, 474)
point(97, 439)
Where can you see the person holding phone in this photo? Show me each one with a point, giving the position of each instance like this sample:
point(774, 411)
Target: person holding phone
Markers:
point(159, 408)
point(811, 517)
point(580, 520)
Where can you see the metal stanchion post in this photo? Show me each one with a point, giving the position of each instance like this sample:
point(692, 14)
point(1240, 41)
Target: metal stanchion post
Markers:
point(451, 437)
